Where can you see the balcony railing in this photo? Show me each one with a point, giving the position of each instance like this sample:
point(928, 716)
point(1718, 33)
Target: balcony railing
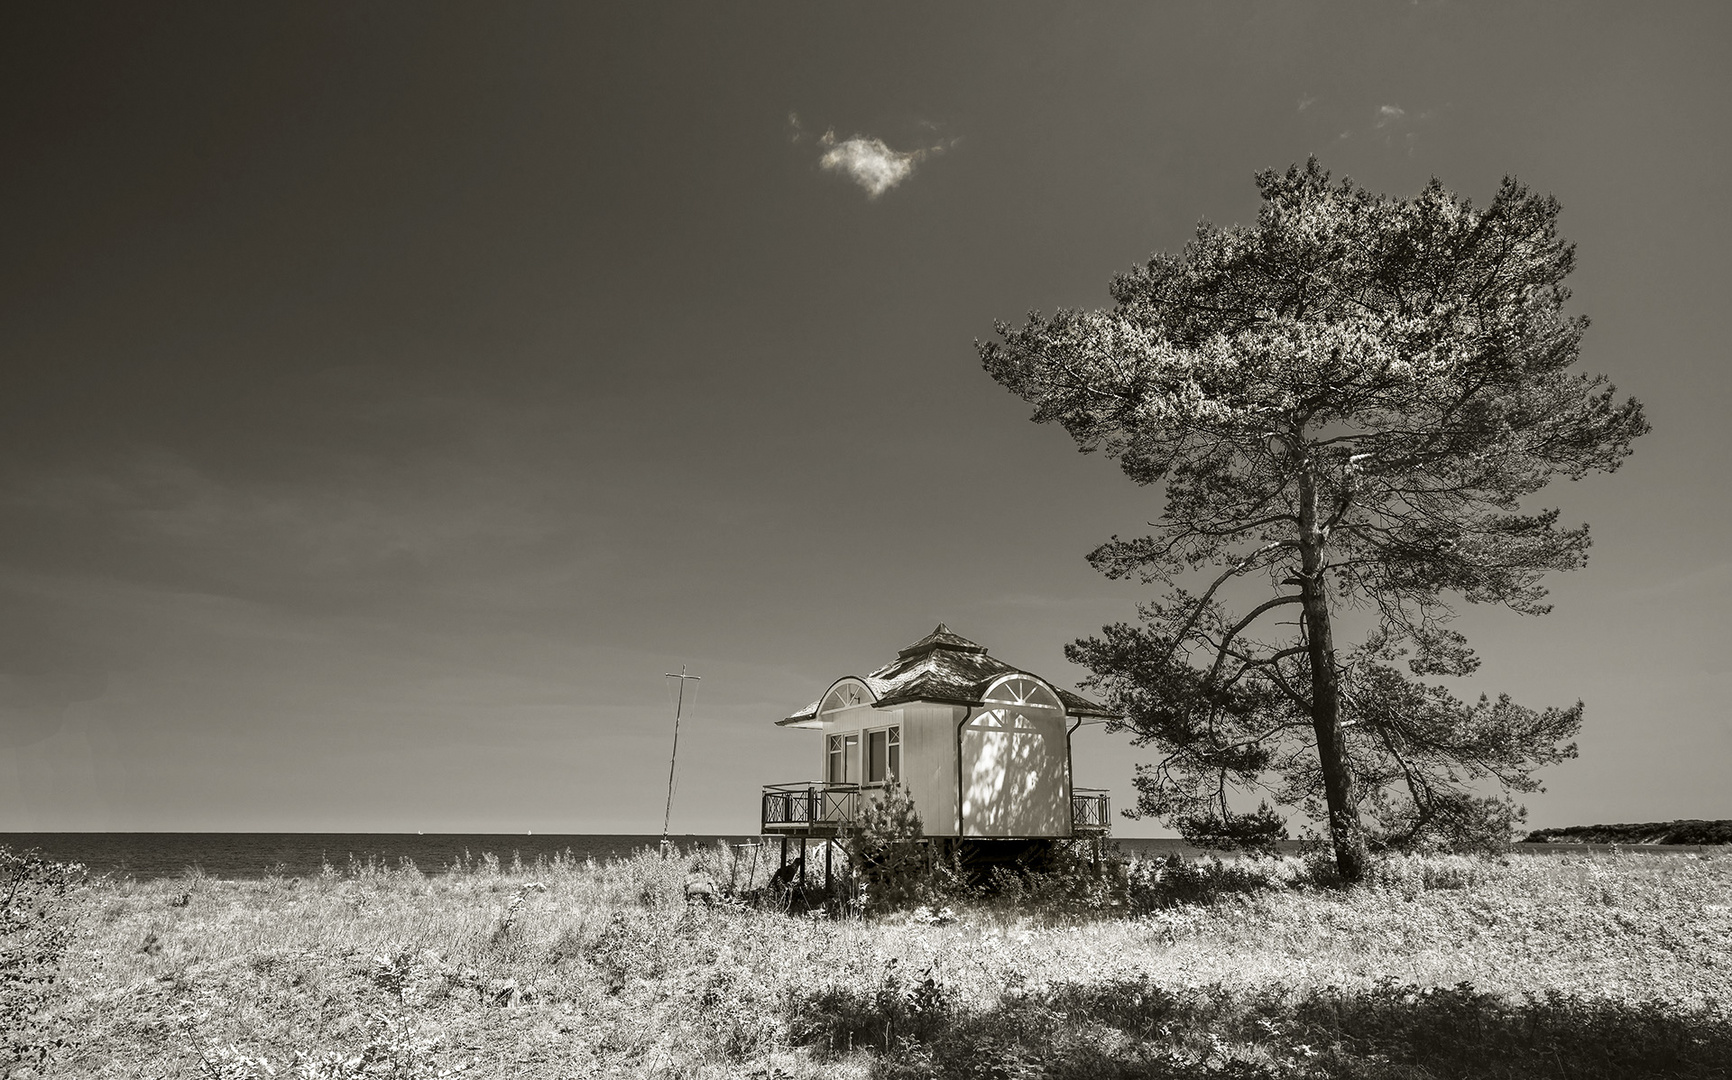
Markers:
point(814, 808)
point(1090, 810)
point(819, 809)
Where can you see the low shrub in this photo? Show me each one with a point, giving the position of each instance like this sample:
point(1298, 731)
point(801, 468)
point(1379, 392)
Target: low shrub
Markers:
point(889, 863)
point(1389, 1031)
point(35, 928)
point(1072, 885)
point(905, 1007)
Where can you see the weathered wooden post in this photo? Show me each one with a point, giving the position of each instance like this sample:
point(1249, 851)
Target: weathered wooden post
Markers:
point(673, 758)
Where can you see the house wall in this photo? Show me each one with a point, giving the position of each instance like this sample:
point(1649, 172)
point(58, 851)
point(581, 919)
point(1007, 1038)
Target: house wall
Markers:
point(929, 764)
point(1015, 772)
point(928, 755)
point(1015, 775)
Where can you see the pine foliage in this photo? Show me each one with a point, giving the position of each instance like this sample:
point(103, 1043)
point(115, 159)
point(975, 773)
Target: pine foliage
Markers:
point(886, 851)
point(1344, 407)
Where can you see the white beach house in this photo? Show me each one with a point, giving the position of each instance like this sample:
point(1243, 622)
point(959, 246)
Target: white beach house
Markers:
point(983, 749)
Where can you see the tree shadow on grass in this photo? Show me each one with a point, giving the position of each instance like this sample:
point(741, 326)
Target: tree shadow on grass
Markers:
point(1138, 1029)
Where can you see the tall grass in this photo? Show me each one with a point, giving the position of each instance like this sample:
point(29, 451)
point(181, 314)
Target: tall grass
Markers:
point(1578, 966)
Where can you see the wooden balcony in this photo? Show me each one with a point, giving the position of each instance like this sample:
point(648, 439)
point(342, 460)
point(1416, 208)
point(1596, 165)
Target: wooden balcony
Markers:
point(1090, 811)
point(809, 809)
point(818, 809)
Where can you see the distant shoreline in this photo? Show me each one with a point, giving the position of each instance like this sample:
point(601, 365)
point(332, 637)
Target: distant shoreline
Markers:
point(1686, 831)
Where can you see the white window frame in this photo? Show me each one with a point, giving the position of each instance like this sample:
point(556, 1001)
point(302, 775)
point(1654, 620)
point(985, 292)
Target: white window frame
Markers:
point(836, 745)
point(892, 772)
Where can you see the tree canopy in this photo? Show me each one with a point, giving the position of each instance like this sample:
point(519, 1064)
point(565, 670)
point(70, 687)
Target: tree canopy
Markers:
point(1344, 407)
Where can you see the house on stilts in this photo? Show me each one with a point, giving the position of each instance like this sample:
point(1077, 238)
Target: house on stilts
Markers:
point(982, 748)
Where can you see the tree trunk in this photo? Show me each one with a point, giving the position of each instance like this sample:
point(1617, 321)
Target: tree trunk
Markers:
point(1344, 825)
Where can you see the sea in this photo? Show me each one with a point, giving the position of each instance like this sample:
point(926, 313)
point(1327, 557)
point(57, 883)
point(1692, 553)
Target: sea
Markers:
point(152, 855)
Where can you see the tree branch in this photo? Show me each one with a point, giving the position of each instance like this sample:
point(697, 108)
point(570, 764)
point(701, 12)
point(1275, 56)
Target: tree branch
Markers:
point(1234, 630)
point(1238, 568)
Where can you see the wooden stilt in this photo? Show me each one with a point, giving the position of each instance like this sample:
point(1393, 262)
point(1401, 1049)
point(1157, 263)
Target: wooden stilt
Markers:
point(802, 864)
point(784, 850)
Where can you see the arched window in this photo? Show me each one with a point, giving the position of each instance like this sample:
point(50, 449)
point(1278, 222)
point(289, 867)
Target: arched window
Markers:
point(1016, 701)
point(845, 695)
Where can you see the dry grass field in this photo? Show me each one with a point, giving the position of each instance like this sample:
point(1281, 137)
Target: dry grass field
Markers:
point(1446, 966)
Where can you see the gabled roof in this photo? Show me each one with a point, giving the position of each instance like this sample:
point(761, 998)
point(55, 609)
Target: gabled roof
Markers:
point(946, 668)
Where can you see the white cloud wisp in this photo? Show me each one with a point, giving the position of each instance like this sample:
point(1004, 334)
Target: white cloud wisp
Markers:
point(868, 161)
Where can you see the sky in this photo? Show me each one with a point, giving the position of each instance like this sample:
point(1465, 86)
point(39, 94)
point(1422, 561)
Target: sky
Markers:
point(390, 394)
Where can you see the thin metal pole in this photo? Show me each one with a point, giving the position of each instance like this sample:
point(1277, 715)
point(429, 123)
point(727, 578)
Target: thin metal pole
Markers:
point(679, 706)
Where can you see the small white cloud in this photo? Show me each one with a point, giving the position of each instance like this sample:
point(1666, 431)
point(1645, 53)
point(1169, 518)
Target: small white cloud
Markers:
point(869, 162)
point(1306, 102)
point(1389, 114)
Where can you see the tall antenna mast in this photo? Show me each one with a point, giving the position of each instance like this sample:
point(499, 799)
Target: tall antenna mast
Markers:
point(679, 706)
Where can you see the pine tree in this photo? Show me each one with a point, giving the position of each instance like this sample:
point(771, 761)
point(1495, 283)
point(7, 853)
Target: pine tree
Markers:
point(884, 848)
point(1347, 403)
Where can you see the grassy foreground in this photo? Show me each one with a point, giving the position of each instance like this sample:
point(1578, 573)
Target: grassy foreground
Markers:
point(1446, 966)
